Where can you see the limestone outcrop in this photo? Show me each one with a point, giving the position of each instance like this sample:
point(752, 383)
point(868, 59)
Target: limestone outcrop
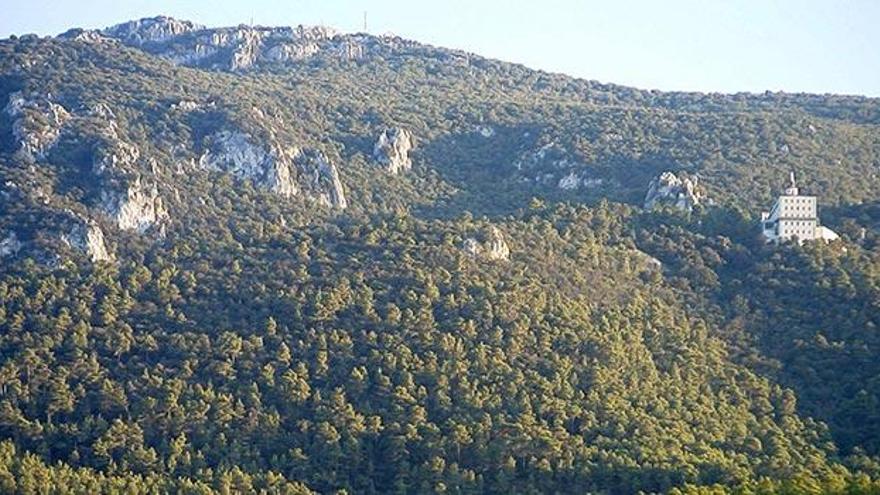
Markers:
point(139, 207)
point(320, 178)
point(36, 123)
point(579, 180)
point(153, 29)
point(86, 236)
point(493, 247)
point(392, 150)
point(682, 192)
point(287, 171)
point(114, 155)
point(243, 47)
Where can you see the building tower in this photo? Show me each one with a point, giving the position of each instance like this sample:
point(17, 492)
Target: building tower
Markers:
point(794, 217)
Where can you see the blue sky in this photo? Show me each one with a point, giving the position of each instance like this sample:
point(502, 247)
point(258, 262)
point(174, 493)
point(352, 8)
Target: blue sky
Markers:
point(830, 46)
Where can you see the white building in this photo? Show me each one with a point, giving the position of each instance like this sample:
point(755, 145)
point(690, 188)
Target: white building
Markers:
point(794, 217)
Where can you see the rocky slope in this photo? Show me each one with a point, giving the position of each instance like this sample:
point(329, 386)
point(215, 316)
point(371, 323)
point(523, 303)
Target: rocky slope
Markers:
point(375, 265)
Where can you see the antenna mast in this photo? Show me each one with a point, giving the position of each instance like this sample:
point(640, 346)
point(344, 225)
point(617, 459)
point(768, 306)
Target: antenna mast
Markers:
point(365, 21)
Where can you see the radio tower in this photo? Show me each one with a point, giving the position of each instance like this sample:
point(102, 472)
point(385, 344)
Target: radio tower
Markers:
point(365, 21)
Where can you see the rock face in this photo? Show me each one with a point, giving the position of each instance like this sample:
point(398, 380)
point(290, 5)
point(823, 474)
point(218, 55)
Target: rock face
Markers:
point(245, 47)
point(84, 35)
point(493, 248)
point(36, 123)
point(668, 188)
point(87, 236)
point(392, 149)
point(138, 208)
point(155, 29)
point(285, 171)
point(319, 178)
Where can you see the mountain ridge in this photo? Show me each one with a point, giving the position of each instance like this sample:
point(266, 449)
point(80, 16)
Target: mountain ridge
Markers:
point(411, 273)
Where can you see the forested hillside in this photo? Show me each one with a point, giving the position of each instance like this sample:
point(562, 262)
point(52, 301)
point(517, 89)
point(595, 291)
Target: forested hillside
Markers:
point(292, 261)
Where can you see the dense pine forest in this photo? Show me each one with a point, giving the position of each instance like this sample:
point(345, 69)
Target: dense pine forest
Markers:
point(280, 260)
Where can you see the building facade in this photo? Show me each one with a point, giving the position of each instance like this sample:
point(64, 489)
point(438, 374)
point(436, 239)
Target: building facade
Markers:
point(794, 217)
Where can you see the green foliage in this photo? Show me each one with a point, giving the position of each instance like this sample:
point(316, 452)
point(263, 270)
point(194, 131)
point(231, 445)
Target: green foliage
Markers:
point(270, 345)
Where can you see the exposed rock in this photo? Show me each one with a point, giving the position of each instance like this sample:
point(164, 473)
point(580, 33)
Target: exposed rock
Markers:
point(493, 248)
point(194, 55)
point(244, 47)
point(286, 52)
point(115, 155)
point(9, 245)
point(233, 152)
point(668, 188)
point(245, 54)
point(85, 36)
point(286, 171)
point(647, 261)
point(485, 131)
point(551, 154)
point(185, 106)
point(392, 149)
point(102, 111)
point(138, 208)
point(37, 123)
point(574, 180)
point(155, 29)
point(320, 178)
point(350, 49)
point(87, 236)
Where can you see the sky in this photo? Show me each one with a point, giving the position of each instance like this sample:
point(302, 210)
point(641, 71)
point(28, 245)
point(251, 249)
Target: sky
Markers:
point(816, 46)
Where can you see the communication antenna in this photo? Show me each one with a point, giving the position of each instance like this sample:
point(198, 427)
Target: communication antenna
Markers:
point(365, 21)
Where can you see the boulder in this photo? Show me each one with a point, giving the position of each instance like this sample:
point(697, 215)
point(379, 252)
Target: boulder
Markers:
point(492, 248)
point(668, 188)
point(392, 149)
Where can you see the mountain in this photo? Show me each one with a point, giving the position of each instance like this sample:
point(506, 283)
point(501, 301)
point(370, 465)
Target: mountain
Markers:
point(292, 260)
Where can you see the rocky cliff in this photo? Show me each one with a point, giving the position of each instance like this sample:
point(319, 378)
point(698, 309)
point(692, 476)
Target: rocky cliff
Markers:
point(138, 207)
point(668, 188)
point(392, 150)
point(87, 237)
point(287, 171)
point(244, 47)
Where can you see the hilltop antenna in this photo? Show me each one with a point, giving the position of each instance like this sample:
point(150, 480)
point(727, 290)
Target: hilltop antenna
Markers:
point(365, 21)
